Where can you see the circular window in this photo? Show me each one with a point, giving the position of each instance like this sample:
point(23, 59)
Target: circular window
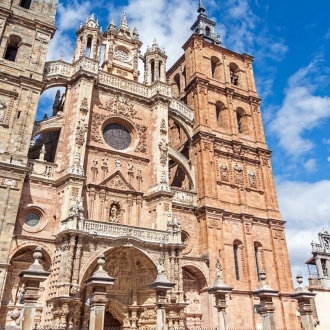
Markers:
point(32, 219)
point(117, 136)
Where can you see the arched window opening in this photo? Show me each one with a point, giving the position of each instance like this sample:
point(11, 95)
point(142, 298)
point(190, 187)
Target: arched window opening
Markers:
point(237, 251)
point(12, 48)
point(234, 74)
point(177, 82)
point(241, 116)
point(215, 67)
point(257, 256)
point(89, 47)
point(152, 71)
point(239, 122)
point(160, 76)
point(176, 86)
point(184, 76)
point(25, 4)
point(236, 262)
point(208, 31)
point(219, 110)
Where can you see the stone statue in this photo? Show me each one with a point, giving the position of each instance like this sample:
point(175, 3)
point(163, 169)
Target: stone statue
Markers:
point(218, 267)
point(160, 266)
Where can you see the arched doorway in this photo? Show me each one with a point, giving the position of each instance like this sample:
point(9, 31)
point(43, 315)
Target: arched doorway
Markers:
point(194, 285)
point(130, 296)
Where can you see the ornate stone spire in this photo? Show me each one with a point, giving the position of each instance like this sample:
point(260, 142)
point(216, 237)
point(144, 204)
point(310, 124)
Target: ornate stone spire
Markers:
point(112, 24)
point(204, 26)
point(201, 8)
point(123, 22)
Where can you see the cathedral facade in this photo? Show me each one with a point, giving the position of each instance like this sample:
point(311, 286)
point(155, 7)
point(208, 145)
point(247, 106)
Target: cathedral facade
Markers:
point(174, 168)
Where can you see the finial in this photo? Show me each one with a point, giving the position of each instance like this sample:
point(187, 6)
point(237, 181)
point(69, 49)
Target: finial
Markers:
point(135, 33)
point(92, 17)
point(300, 280)
point(201, 8)
point(219, 275)
point(112, 24)
point(155, 43)
point(262, 276)
point(123, 22)
point(101, 261)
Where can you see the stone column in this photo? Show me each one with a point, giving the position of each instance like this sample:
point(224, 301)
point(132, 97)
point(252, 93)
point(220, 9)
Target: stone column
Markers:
point(266, 294)
point(32, 277)
point(319, 267)
point(99, 282)
point(219, 290)
point(304, 296)
point(161, 286)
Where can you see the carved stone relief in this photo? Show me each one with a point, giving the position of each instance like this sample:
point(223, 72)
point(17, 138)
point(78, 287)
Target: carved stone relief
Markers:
point(3, 108)
point(238, 173)
point(163, 147)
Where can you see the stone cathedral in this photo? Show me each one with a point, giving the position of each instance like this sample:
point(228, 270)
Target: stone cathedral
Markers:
point(168, 175)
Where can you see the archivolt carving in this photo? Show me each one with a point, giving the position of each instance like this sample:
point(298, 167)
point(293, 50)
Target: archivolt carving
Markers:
point(32, 244)
point(201, 267)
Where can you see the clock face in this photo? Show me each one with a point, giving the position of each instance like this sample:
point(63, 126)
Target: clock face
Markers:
point(122, 55)
point(32, 219)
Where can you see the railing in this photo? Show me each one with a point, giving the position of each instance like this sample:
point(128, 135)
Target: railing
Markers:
point(41, 169)
point(117, 82)
point(115, 230)
point(56, 68)
point(160, 88)
point(316, 247)
point(183, 110)
point(184, 197)
point(86, 64)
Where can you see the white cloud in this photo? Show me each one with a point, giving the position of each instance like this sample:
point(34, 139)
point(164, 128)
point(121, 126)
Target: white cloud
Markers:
point(305, 206)
point(328, 159)
point(301, 111)
point(311, 165)
point(326, 141)
point(72, 14)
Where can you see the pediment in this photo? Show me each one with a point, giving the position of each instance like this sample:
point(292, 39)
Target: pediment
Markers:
point(117, 181)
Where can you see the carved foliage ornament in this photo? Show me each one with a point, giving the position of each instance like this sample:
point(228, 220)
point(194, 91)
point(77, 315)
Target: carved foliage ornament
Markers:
point(120, 106)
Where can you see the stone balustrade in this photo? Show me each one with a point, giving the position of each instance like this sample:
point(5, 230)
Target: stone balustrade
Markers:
point(117, 82)
point(316, 247)
point(41, 169)
point(118, 230)
point(55, 68)
point(184, 197)
point(160, 88)
point(183, 110)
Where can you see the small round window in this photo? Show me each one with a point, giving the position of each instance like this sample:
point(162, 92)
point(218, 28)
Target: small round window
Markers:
point(32, 219)
point(117, 136)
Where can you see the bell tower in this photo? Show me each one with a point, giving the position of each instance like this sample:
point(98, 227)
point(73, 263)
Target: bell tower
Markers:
point(154, 64)
point(237, 211)
point(89, 40)
point(26, 28)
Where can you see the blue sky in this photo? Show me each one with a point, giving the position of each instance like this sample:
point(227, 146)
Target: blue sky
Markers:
point(290, 41)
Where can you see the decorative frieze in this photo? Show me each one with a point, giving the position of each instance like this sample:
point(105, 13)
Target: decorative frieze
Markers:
point(114, 230)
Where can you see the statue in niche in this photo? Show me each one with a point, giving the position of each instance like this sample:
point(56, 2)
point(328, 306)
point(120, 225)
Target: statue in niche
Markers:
point(114, 213)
